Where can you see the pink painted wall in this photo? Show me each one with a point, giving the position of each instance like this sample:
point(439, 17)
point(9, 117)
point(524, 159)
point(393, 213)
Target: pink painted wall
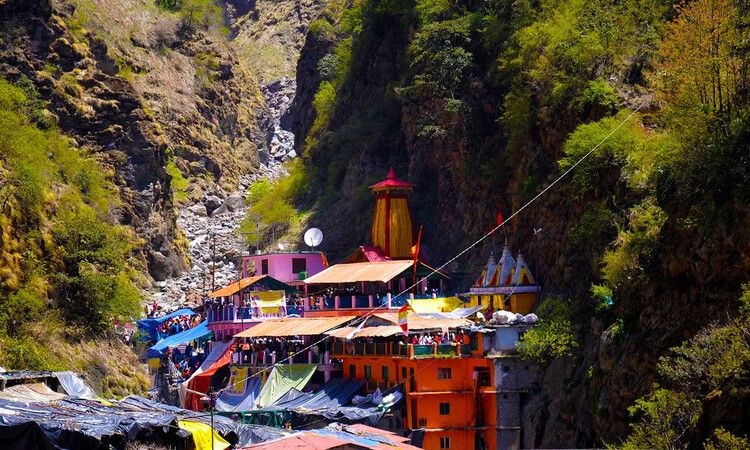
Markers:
point(280, 265)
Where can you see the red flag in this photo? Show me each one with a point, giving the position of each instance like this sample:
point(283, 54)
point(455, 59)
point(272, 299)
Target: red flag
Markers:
point(415, 252)
point(499, 219)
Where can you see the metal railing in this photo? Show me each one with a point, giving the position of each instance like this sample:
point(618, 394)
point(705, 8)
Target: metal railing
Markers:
point(230, 313)
point(343, 349)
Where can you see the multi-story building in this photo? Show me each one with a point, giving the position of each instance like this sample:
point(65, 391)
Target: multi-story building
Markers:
point(288, 267)
point(450, 400)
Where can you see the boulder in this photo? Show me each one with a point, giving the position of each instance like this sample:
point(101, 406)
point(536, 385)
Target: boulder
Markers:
point(211, 203)
point(220, 210)
point(234, 202)
point(198, 209)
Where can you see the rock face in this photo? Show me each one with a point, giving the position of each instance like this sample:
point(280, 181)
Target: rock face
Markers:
point(102, 113)
point(301, 114)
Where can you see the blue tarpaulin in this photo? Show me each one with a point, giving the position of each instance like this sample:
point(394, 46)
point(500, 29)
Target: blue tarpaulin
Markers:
point(150, 325)
point(334, 394)
point(229, 400)
point(186, 336)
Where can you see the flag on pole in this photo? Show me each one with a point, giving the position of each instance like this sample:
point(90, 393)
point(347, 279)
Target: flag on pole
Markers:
point(499, 220)
point(415, 253)
point(403, 315)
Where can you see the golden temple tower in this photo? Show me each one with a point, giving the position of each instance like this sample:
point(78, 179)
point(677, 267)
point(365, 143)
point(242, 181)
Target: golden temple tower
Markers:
point(392, 226)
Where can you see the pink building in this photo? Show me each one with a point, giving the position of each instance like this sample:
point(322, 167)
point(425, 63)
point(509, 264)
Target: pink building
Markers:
point(291, 268)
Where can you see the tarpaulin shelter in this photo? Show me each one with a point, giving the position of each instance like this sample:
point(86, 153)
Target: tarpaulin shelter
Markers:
point(33, 392)
point(150, 325)
point(333, 394)
point(199, 331)
point(336, 436)
point(204, 437)
point(242, 394)
point(200, 381)
point(282, 379)
point(75, 386)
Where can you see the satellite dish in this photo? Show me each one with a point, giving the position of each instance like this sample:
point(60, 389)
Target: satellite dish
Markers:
point(313, 237)
point(281, 246)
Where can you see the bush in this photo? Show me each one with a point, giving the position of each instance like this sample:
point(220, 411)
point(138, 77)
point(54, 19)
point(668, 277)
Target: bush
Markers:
point(724, 440)
point(553, 337)
point(664, 419)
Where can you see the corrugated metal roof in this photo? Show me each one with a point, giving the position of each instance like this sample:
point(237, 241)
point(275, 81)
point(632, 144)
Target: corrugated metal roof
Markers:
point(417, 322)
point(382, 271)
point(236, 286)
point(294, 327)
point(381, 331)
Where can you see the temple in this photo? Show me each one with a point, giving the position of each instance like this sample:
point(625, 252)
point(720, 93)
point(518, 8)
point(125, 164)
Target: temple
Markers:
point(506, 285)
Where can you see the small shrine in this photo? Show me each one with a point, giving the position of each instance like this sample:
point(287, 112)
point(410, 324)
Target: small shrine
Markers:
point(507, 284)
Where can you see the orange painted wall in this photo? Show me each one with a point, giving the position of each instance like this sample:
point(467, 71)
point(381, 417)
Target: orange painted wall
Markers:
point(459, 439)
point(461, 414)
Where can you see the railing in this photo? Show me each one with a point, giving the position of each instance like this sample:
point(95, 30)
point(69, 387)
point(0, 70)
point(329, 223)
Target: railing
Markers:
point(364, 301)
point(230, 313)
point(269, 358)
point(343, 349)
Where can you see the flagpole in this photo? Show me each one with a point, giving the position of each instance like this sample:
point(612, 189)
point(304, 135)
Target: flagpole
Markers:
point(416, 260)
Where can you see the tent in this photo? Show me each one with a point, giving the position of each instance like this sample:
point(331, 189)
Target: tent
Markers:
point(283, 378)
point(242, 392)
point(75, 386)
point(199, 331)
point(219, 352)
point(150, 325)
point(333, 394)
point(201, 380)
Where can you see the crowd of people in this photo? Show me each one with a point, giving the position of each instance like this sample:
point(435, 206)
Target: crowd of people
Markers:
point(177, 324)
point(182, 364)
point(261, 349)
point(450, 338)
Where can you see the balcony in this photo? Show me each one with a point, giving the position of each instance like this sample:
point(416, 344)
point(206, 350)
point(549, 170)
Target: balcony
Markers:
point(264, 359)
point(327, 302)
point(233, 314)
point(343, 349)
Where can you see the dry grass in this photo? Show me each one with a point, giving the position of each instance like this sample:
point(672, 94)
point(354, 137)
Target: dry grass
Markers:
point(108, 365)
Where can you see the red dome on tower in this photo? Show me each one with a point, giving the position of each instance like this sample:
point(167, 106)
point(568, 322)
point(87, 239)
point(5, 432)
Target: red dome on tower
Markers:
point(392, 182)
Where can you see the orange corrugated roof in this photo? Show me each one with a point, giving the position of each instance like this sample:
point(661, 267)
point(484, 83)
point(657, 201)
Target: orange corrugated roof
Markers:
point(294, 327)
point(417, 322)
point(382, 271)
point(236, 286)
point(379, 331)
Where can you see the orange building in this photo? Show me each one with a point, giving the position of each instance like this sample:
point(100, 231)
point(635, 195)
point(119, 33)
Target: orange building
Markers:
point(449, 395)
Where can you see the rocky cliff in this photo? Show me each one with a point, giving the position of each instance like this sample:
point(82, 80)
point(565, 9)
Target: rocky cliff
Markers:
point(480, 105)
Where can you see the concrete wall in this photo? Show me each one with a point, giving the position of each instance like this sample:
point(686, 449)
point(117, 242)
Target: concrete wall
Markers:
point(280, 265)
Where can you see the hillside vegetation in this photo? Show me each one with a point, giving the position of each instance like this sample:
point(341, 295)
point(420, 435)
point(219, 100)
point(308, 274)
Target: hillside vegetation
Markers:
point(482, 104)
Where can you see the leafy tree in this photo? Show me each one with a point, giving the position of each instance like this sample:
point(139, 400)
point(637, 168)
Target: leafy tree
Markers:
point(665, 420)
point(554, 335)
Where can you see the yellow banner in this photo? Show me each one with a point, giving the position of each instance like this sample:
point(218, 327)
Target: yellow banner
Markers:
point(269, 301)
point(237, 380)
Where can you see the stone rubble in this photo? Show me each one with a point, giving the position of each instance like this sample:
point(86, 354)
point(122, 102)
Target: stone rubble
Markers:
point(214, 222)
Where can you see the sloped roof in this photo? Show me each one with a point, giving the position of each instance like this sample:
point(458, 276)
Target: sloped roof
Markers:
point(391, 182)
point(237, 286)
point(382, 271)
point(309, 326)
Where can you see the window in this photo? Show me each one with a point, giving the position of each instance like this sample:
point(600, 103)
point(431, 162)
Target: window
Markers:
point(299, 265)
point(352, 371)
point(385, 373)
point(368, 372)
point(445, 442)
point(445, 409)
point(264, 267)
point(403, 373)
point(506, 369)
point(483, 376)
point(445, 373)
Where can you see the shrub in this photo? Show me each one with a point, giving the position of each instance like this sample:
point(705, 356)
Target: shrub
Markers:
point(664, 418)
point(724, 440)
point(553, 337)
